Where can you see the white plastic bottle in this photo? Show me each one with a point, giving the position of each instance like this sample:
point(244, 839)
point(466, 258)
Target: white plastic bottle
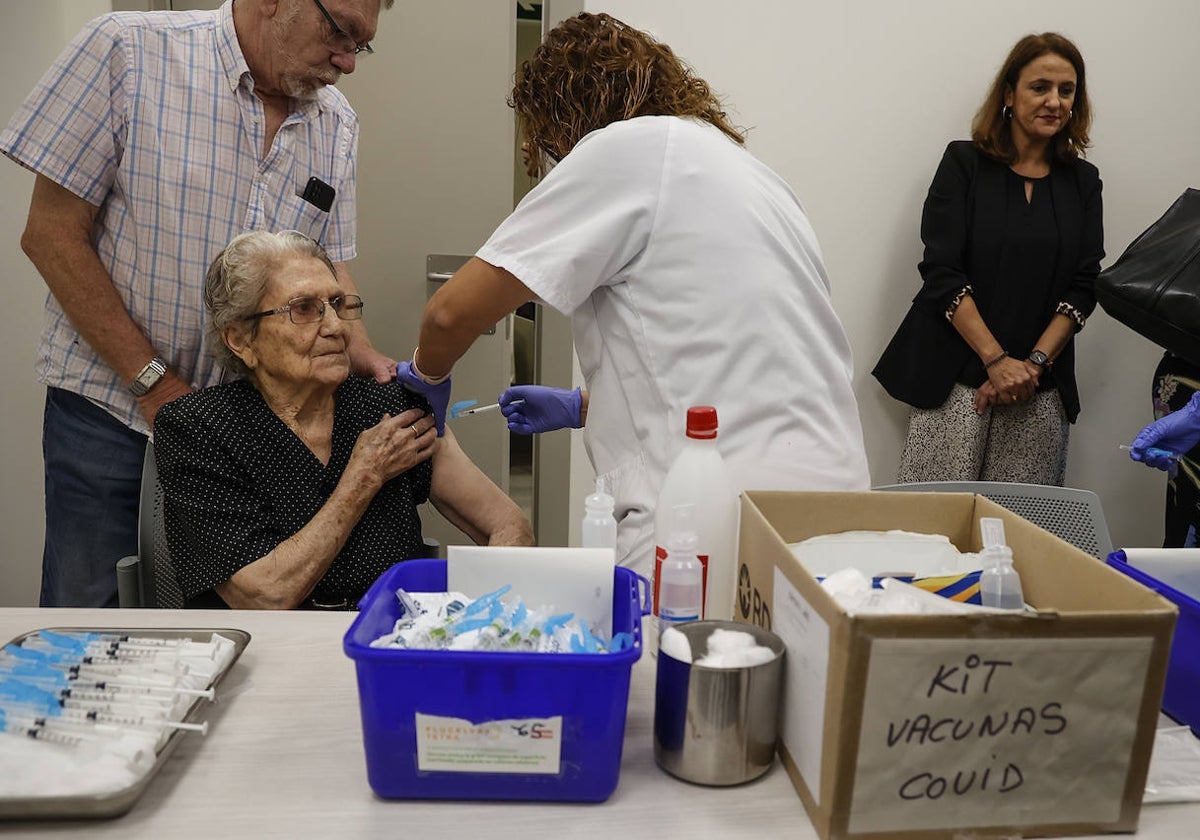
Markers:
point(699, 477)
point(599, 527)
point(999, 584)
point(681, 584)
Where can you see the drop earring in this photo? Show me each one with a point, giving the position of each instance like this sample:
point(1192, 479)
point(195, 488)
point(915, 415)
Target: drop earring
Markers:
point(1007, 112)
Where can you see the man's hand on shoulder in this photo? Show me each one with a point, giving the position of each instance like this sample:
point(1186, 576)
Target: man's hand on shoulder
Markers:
point(367, 361)
point(170, 387)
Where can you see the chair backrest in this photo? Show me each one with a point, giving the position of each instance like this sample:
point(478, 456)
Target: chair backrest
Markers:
point(155, 571)
point(1074, 515)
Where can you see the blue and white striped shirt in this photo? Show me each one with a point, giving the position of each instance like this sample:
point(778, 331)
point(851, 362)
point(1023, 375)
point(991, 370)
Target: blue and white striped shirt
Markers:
point(152, 117)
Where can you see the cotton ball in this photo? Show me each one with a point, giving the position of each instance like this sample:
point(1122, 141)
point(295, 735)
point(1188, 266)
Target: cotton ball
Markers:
point(722, 640)
point(675, 645)
point(845, 583)
point(757, 655)
point(718, 660)
point(741, 657)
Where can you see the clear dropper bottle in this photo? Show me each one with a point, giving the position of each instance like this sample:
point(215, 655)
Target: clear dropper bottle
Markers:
point(999, 585)
point(599, 527)
point(681, 586)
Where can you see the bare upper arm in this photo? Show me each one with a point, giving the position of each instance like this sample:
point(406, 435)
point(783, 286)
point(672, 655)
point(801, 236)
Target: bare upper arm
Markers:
point(470, 500)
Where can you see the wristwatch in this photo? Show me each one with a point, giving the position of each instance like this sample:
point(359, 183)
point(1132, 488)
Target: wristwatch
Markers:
point(148, 378)
point(1039, 358)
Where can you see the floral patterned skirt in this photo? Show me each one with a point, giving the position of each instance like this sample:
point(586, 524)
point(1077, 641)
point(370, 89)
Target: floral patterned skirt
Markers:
point(1025, 442)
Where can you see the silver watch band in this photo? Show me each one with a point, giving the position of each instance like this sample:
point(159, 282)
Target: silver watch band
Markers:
point(148, 377)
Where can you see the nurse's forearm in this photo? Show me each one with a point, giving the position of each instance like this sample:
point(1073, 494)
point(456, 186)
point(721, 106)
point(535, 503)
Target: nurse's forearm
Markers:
point(442, 343)
point(476, 297)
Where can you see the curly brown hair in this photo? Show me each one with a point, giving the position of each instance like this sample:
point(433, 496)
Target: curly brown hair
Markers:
point(992, 132)
point(592, 70)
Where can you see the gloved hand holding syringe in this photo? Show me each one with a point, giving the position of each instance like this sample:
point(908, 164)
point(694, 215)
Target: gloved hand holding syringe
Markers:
point(1163, 443)
point(465, 407)
point(531, 409)
point(1152, 456)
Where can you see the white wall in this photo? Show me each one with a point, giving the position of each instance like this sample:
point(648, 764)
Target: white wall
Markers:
point(34, 33)
point(853, 103)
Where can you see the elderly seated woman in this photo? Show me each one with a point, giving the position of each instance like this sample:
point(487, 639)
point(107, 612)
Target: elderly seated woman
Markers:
point(298, 485)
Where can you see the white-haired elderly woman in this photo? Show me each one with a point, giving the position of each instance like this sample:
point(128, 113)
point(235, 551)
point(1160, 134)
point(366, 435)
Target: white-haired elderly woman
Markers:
point(297, 485)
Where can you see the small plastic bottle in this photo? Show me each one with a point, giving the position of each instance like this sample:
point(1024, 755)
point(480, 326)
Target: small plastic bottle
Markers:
point(698, 477)
point(999, 585)
point(599, 526)
point(681, 584)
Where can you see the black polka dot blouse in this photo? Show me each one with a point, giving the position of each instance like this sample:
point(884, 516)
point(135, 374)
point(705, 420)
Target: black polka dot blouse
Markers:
point(237, 482)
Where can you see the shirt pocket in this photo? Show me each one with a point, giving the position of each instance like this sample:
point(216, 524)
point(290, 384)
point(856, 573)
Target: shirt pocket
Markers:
point(297, 214)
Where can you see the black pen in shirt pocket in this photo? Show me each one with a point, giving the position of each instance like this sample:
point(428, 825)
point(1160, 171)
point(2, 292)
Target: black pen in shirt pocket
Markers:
point(317, 193)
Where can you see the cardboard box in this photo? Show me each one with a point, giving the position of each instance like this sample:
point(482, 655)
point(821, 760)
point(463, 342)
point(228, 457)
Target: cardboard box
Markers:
point(931, 726)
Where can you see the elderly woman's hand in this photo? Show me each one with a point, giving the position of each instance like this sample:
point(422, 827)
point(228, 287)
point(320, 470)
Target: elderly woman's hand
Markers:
point(394, 445)
point(1013, 380)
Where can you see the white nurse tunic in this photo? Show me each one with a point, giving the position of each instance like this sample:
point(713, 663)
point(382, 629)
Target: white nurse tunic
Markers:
point(692, 277)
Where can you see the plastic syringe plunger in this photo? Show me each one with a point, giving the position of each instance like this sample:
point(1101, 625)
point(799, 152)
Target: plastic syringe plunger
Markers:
point(999, 584)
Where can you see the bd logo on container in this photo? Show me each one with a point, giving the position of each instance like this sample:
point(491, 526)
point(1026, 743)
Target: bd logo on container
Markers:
point(751, 604)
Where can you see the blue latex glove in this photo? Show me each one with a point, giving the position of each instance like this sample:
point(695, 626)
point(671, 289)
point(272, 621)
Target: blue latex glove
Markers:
point(1163, 442)
point(438, 395)
point(532, 409)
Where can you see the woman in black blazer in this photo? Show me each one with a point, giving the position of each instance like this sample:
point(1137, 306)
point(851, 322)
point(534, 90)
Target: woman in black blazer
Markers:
point(1013, 235)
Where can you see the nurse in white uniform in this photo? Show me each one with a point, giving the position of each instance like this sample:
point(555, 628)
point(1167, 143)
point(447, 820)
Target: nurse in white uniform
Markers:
point(689, 269)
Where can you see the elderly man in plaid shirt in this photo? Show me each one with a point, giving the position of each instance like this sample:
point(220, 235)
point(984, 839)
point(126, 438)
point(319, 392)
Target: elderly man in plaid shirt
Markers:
point(156, 138)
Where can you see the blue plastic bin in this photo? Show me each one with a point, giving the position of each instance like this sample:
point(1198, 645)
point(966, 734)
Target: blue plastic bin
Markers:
point(1181, 697)
point(589, 691)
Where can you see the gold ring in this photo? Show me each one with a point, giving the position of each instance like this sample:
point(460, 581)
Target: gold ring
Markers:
point(1014, 397)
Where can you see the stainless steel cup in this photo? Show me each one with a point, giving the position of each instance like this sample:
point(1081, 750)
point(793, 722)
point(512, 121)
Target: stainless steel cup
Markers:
point(717, 726)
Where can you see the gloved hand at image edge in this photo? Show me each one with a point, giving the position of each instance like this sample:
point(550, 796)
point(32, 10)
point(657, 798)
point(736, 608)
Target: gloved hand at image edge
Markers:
point(438, 393)
point(1163, 442)
point(533, 409)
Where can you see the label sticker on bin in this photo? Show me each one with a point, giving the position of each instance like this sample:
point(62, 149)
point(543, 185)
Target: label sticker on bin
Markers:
point(455, 745)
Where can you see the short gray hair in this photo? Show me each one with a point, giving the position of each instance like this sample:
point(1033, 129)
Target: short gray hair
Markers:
point(238, 278)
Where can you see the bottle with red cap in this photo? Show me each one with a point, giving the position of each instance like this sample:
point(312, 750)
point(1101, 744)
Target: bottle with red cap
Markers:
point(699, 477)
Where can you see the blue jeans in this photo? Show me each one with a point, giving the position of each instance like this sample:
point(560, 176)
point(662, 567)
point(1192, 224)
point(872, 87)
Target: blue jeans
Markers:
point(93, 482)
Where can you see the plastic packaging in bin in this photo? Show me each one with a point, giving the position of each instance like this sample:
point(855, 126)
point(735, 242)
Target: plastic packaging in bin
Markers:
point(490, 724)
point(1176, 577)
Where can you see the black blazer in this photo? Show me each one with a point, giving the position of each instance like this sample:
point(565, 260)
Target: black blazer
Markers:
point(962, 226)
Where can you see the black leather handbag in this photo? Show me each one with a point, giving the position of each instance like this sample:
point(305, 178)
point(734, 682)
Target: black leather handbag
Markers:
point(1154, 288)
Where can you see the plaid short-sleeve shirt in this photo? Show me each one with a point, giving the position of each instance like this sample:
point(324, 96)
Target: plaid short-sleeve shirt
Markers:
point(152, 117)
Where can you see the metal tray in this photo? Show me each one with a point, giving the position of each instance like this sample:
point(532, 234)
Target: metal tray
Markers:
point(115, 803)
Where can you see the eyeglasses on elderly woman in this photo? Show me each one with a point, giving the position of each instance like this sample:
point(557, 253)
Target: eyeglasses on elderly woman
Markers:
point(310, 310)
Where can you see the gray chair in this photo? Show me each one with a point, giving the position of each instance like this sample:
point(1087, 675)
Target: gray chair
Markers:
point(148, 579)
point(1075, 516)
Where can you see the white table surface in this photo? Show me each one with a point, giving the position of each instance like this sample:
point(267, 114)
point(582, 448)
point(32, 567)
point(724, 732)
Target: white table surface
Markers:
point(284, 758)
